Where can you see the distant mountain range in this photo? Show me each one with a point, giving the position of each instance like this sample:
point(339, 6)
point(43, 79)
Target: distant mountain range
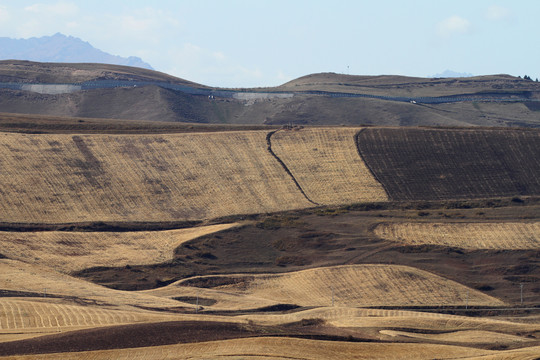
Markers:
point(61, 48)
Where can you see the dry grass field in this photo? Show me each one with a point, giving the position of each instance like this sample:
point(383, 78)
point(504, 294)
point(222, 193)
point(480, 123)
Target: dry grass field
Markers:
point(31, 317)
point(76, 178)
point(353, 285)
point(484, 235)
point(423, 322)
point(72, 251)
point(16, 276)
point(211, 299)
point(468, 336)
point(327, 166)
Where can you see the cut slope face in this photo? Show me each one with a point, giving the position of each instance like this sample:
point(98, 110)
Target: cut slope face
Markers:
point(73, 251)
point(497, 236)
point(52, 178)
point(429, 164)
point(353, 285)
point(327, 166)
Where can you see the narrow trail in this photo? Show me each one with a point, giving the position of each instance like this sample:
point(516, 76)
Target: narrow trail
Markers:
point(269, 143)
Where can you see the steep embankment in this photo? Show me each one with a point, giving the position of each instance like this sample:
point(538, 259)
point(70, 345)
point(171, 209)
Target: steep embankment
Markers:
point(151, 103)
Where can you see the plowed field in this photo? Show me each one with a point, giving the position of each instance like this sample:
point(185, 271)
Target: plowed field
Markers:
point(429, 164)
point(278, 348)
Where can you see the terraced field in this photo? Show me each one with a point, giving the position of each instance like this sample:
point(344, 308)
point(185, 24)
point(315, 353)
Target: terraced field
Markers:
point(354, 285)
point(485, 235)
point(73, 251)
point(327, 166)
point(432, 164)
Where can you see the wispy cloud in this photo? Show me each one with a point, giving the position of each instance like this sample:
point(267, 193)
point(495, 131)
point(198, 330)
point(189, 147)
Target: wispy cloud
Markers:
point(453, 25)
point(4, 14)
point(59, 8)
point(496, 12)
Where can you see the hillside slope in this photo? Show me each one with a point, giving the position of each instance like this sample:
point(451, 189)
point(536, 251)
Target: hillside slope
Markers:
point(498, 100)
point(353, 285)
point(51, 178)
point(427, 164)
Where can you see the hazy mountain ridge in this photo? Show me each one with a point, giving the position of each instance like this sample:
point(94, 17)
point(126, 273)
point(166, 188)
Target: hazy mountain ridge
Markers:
point(62, 48)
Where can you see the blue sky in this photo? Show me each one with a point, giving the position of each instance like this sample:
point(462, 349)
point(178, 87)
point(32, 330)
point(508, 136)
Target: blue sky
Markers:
point(236, 43)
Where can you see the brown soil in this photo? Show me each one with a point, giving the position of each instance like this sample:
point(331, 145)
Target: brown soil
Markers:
point(166, 333)
point(429, 164)
point(335, 236)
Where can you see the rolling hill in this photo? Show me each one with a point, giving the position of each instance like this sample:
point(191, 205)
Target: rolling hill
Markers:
point(119, 92)
point(201, 176)
point(230, 238)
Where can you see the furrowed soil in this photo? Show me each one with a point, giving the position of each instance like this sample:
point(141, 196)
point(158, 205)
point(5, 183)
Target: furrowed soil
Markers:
point(430, 164)
point(132, 336)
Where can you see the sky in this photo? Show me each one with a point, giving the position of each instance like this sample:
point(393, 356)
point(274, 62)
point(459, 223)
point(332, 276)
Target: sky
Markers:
point(257, 43)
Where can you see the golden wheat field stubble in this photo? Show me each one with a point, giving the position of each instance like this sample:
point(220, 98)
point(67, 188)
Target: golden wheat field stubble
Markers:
point(72, 251)
point(77, 178)
point(354, 285)
point(485, 235)
point(23, 277)
point(326, 164)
